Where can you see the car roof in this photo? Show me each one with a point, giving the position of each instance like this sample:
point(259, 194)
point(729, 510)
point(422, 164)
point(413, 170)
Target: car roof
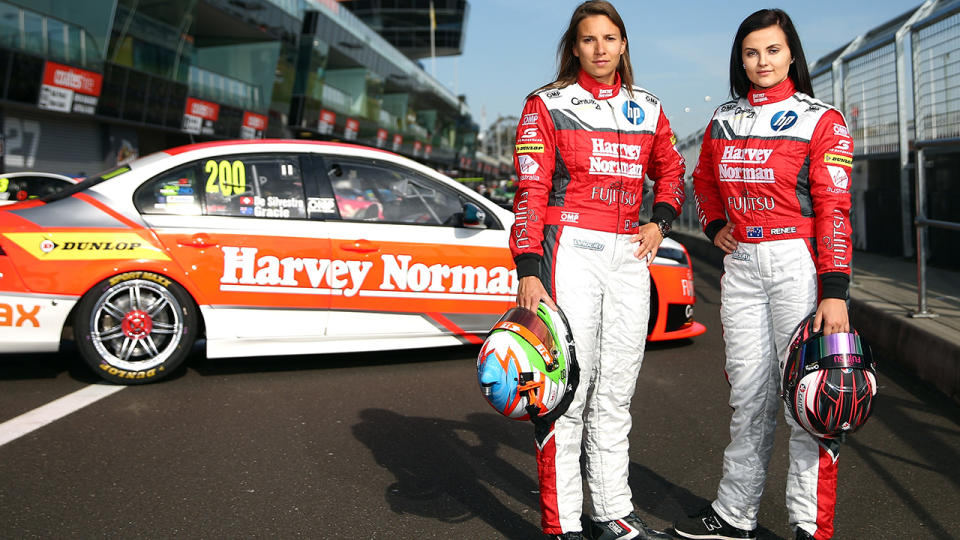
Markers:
point(258, 142)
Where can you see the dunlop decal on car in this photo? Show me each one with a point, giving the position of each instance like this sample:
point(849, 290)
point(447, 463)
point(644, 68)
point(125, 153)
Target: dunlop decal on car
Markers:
point(79, 246)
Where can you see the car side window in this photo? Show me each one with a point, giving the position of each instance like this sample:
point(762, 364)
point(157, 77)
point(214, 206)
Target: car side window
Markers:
point(173, 192)
point(253, 186)
point(382, 192)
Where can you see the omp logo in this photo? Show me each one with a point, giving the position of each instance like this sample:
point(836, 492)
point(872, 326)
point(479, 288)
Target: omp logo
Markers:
point(732, 154)
point(758, 175)
point(569, 217)
point(245, 270)
point(605, 92)
point(633, 111)
point(78, 246)
point(783, 120)
point(19, 315)
point(612, 149)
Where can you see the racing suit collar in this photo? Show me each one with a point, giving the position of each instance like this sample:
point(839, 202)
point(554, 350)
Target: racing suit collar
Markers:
point(780, 92)
point(599, 90)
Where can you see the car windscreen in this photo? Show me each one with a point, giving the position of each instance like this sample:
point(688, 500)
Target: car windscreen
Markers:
point(86, 183)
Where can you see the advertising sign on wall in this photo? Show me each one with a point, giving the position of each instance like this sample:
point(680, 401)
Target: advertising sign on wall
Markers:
point(199, 116)
point(326, 122)
point(351, 129)
point(69, 89)
point(254, 125)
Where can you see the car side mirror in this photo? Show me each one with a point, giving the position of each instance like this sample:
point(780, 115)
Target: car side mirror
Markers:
point(474, 217)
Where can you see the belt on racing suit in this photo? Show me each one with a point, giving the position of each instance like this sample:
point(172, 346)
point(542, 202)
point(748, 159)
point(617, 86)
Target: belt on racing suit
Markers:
point(592, 219)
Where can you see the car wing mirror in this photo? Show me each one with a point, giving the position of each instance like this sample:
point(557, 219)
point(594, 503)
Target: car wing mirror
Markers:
point(474, 217)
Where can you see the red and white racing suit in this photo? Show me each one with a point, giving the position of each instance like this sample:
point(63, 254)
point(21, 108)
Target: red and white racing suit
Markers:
point(581, 155)
point(777, 164)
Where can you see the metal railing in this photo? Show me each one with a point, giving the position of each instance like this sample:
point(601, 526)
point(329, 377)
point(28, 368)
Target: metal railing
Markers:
point(922, 223)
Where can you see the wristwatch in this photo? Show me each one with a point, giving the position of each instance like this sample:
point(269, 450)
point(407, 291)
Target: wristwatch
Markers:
point(664, 227)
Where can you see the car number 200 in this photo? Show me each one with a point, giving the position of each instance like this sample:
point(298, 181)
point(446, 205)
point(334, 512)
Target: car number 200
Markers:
point(226, 177)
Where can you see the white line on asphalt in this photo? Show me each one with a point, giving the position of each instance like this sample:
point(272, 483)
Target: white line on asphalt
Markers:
point(55, 410)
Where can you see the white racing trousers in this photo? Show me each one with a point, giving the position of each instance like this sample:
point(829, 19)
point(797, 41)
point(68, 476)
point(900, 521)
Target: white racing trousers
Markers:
point(766, 290)
point(604, 291)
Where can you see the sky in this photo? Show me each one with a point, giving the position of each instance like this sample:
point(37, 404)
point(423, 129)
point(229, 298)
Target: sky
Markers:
point(680, 48)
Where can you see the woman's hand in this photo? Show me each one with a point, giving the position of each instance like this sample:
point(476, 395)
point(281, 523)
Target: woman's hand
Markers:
point(831, 316)
point(725, 240)
point(530, 292)
point(649, 239)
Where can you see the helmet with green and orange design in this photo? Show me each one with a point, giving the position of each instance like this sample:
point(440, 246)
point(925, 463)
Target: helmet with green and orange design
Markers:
point(527, 367)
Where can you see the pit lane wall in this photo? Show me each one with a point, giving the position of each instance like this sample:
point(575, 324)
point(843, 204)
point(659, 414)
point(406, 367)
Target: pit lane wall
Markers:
point(928, 356)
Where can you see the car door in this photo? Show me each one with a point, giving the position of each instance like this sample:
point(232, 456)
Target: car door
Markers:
point(423, 275)
point(240, 227)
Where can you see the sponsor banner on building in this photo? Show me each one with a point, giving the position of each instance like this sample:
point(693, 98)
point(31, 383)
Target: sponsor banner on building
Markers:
point(397, 141)
point(351, 129)
point(199, 116)
point(69, 89)
point(427, 150)
point(326, 122)
point(381, 138)
point(417, 147)
point(254, 125)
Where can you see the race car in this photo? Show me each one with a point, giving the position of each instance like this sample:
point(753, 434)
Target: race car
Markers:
point(20, 186)
point(260, 248)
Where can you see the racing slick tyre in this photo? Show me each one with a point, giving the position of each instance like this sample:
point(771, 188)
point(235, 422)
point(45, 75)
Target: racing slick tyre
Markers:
point(135, 327)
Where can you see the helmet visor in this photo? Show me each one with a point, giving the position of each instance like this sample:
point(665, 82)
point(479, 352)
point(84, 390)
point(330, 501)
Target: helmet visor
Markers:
point(840, 350)
point(528, 325)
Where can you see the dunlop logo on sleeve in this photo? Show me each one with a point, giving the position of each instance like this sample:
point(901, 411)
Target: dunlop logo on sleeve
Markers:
point(835, 159)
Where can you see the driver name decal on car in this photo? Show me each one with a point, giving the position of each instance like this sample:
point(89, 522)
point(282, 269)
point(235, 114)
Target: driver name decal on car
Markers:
point(70, 246)
point(244, 270)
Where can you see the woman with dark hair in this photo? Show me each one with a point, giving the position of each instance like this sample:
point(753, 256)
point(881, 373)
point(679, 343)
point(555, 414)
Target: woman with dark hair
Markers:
point(584, 144)
point(772, 190)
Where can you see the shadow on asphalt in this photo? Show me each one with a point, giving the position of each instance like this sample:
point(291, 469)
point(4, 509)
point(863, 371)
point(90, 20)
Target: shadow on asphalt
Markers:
point(28, 366)
point(450, 470)
point(656, 496)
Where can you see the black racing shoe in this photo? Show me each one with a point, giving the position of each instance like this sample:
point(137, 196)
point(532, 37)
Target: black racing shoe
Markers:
point(803, 535)
point(629, 526)
point(577, 535)
point(707, 524)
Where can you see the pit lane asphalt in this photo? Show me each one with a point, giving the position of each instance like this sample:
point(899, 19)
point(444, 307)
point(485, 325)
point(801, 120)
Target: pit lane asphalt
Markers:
point(401, 445)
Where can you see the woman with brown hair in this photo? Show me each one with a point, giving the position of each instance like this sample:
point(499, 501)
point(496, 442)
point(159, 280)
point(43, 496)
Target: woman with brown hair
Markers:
point(583, 146)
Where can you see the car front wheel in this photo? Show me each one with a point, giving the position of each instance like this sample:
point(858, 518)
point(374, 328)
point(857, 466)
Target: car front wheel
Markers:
point(135, 327)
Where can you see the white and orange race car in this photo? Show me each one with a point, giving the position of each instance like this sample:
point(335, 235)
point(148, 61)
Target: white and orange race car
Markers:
point(267, 248)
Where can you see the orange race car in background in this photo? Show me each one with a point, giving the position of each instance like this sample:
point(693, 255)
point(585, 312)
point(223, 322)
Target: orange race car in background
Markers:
point(265, 248)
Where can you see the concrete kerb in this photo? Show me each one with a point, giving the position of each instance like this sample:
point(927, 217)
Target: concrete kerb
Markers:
point(892, 337)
